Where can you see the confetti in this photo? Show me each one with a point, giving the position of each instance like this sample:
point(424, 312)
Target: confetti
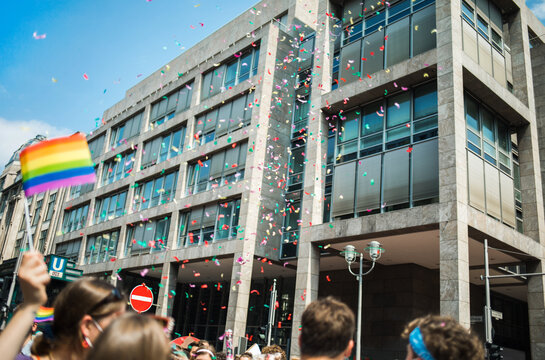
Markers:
point(85, 76)
point(38, 37)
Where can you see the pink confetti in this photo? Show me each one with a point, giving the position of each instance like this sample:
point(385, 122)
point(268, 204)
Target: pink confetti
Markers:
point(38, 37)
point(85, 76)
point(144, 272)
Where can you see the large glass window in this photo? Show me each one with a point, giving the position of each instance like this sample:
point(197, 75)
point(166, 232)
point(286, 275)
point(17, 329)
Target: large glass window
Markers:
point(69, 249)
point(163, 147)
point(37, 212)
point(227, 118)
point(210, 223)
point(368, 177)
point(171, 104)
point(379, 36)
point(224, 77)
point(75, 218)
point(110, 207)
point(120, 134)
point(50, 206)
point(157, 191)
point(101, 247)
point(147, 236)
point(117, 168)
point(221, 168)
point(96, 146)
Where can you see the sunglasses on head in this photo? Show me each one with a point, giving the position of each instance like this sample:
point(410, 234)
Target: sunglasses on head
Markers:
point(113, 296)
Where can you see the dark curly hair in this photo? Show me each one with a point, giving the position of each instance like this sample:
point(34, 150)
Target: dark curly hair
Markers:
point(446, 339)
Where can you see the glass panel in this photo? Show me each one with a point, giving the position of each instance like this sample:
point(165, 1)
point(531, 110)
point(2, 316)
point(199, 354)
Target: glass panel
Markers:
point(424, 38)
point(164, 148)
point(176, 145)
point(372, 118)
point(231, 159)
point(306, 51)
point(489, 149)
point(397, 46)
point(224, 220)
point(472, 114)
point(475, 172)
point(157, 191)
point(206, 83)
point(120, 204)
point(237, 113)
point(245, 66)
point(351, 11)
point(343, 189)
point(210, 120)
point(470, 41)
point(350, 62)
point(396, 177)
point(223, 119)
point(482, 5)
point(425, 170)
point(397, 133)
point(475, 139)
point(372, 140)
point(255, 61)
point(492, 184)
point(467, 11)
point(503, 137)
point(216, 165)
point(488, 125)
point(426, 124)
point(297, 161)
point(146, 195)
point(373, 56)
point(495, 16)
point(425, 100)
point(349, 127)
point(507, 200)
point(231, 74)
point(399, 110)
point(368, 184)
point(485, 54)
point(498, 62)
point(169, 188)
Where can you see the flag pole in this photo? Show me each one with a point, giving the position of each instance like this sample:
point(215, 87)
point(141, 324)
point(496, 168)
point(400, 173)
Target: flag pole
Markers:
point(19, 257)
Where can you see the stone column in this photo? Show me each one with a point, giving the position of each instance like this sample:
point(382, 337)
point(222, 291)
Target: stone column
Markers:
point(167, 289)
point(312, 204)
point(453, 235)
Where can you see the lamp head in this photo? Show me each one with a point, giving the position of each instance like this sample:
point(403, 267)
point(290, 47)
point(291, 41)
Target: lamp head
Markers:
point(349, 254)
point(375, 250)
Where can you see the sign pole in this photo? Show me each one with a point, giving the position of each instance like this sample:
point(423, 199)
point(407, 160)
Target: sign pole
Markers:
point(272, 311)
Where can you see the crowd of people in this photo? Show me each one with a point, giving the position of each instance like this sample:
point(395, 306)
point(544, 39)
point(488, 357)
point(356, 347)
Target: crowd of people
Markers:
point(90, 323)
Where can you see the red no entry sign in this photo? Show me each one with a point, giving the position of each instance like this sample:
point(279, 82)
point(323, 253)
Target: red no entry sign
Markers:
point(141, 298)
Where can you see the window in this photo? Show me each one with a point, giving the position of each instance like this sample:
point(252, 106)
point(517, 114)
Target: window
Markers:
point(389, 140)
point(220, 169)
point(148, 236)
point(163, 147)
point(225, 119)
point(96, 146)
point(50, 206)
point(209, 223)
point(157, 191)
point(379, 36)
point(75, 218)
point(117, 168)
point(290, 229)
point(101, 247)
point(40, 246)
point(37, 211)
point(69, 249)
point(171, 104)
point(111, 207)
point(126, 131)
point(241, 68)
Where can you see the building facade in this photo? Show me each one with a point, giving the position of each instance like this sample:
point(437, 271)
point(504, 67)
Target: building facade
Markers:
point(301, 127)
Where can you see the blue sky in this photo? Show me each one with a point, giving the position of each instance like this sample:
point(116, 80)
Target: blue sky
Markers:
point(116, 43)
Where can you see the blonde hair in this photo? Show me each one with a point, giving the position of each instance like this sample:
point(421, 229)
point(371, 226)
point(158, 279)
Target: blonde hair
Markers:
point(131, 337)
point(86, 296)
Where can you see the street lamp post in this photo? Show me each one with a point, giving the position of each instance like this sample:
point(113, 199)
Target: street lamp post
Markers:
point(350, 255)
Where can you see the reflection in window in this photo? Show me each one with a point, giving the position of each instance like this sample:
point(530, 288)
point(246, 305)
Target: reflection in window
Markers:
point(101, 247)
point(147, 236)
point(160, 190)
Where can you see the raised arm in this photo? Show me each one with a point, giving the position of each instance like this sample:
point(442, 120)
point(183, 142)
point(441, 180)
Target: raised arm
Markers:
point(33, 278)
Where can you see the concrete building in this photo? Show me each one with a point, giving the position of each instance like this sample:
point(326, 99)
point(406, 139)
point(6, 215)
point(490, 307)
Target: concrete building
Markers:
point(303, 126)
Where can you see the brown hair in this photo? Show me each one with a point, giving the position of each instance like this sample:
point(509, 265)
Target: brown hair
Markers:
point(446, 339)
point(85, 296)
point(274, 349)
point(131, 337)
point(327, 326)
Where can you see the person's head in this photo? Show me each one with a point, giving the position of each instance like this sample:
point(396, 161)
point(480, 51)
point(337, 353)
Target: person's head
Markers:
point(83, 309)
point(221, 355)
point(327, 329)
point(441, 338)
point(274, 349)
point(192, 349)
point(177, 352)
point(205, 352)
point(246, 356)
point(132, 337)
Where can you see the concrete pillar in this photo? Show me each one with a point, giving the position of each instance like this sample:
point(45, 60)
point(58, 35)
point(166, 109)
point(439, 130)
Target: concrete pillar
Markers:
point(167, 289)
point(312, 204)
point(453, 235)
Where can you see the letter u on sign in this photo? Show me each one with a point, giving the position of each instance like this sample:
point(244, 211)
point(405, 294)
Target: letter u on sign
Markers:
point(58, 264)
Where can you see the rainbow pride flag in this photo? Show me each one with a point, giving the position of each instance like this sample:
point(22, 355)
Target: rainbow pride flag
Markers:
point(55, 163)
point(44, 314)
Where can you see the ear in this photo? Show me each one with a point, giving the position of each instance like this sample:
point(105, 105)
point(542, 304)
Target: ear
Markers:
point(85, 325)
point(348, 350)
